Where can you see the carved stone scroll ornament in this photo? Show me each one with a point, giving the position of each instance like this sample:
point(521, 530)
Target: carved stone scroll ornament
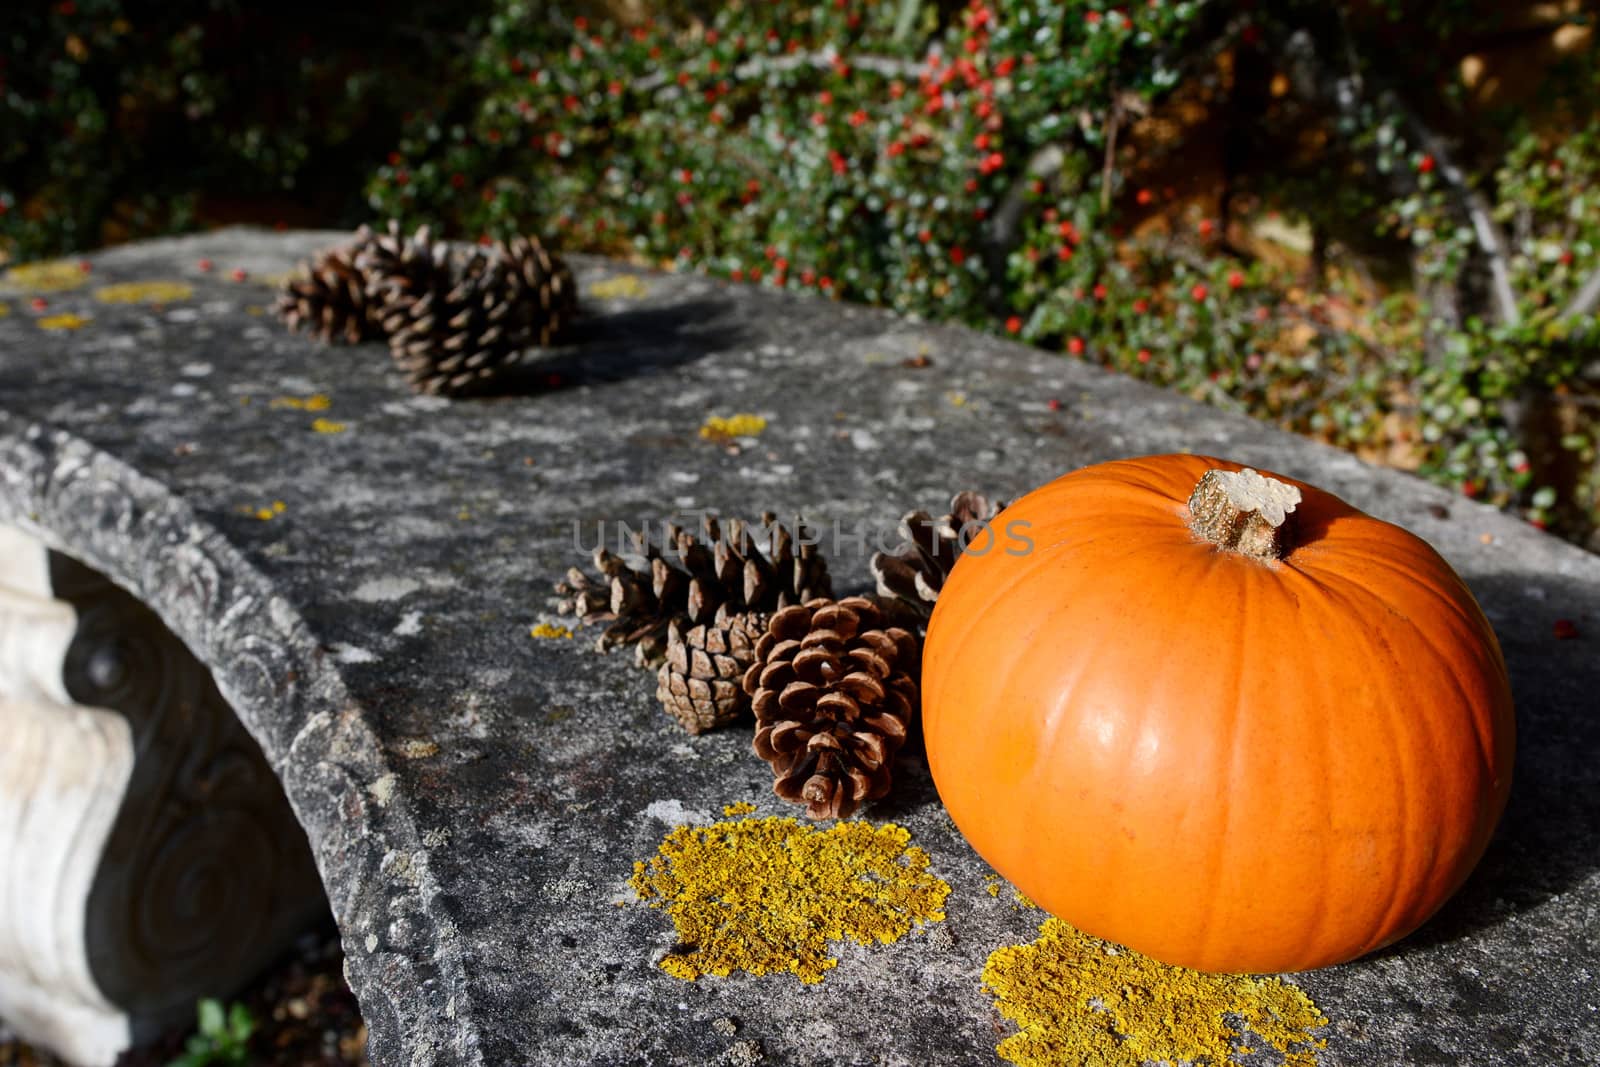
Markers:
point(147, 854)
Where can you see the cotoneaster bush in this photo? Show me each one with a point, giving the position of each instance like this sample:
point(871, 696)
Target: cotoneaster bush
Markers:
point(987, 163)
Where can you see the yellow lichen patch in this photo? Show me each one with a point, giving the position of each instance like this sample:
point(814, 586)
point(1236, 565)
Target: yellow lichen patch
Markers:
point(5, 309)
point(328, 426)
point(623, 285)
point(717, 428)
point(270, 512)
point(144, 293)
point(65, 321)
point(52, 276)
point(743, 807)
point(765, 896)
point(315, 402)
point(550, 631)
point(1078, 999)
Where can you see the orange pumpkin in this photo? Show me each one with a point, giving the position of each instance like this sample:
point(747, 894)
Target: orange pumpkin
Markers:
point(1225, 719)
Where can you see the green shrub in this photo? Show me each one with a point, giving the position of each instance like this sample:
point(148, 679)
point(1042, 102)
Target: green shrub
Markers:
point(985, 164)
point(120, 118)
point(221, 1037)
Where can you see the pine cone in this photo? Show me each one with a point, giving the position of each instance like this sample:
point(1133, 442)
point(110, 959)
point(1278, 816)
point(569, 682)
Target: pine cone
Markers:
point(459, 320)
point(721, 568)
point(543, 279)
point(700, 684)
point(834, 692)
point(913, 574)
point(330, 300)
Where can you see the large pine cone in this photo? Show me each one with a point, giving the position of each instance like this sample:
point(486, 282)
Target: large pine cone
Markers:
point(914, 572)
point(330, 300)
point(834, 690)
point(722, 568)
point(701, 682)
point(459, 319)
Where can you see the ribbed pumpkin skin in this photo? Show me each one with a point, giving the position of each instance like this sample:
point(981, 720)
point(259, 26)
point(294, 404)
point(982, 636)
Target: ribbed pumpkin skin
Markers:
point(1222, 763)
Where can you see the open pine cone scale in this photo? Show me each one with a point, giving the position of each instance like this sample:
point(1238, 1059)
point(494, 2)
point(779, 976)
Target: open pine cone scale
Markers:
point(914, 573)
point(834, 692)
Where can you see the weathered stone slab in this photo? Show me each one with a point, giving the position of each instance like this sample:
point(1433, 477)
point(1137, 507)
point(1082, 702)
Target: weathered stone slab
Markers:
point(476, 798)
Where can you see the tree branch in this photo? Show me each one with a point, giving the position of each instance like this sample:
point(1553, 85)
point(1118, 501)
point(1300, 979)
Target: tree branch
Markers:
point(1113, 120)
point(1479, 211)
point(1349, 94)
point(1586, 298)
point(887, 66)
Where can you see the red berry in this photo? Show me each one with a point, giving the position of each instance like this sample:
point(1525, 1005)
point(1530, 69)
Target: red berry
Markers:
point(84, 266)
point(1013, 325)
point(1141, 306)
point(1075, 346)
point(238, 274)
point(1054, 404)
point(1425, 164)
point(1145, 196)
point(1206, 226)
point(1144, 355)
point(205, 265)
point(1235, 280)
point(38, 303)
point(1199, 293)
point(1099, 292)
point(1565, 629)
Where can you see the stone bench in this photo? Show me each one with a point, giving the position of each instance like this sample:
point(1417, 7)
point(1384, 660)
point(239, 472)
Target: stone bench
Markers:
point(359, 576)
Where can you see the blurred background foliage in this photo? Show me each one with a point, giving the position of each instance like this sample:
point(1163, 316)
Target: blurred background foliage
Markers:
point(1376, 222)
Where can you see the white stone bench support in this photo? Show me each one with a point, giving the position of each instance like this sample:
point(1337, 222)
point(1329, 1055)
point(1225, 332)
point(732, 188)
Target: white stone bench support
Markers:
point(147, 855)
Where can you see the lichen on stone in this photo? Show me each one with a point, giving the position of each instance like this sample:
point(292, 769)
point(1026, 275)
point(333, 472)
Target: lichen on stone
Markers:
point(766, 896)
point(1078, 999)
point(153, 292)
point(328, 426)
point(64, 321)
point(314, 402)
point(549, 631)
point(718, 428)
point(623, 285)
point(742, 807)
point(50, 276)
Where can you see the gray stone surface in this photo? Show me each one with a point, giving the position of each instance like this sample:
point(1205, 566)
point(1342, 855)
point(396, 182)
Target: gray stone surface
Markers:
point(476, 798)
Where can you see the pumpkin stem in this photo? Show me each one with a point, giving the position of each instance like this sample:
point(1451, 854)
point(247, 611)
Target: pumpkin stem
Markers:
point(1245, 512)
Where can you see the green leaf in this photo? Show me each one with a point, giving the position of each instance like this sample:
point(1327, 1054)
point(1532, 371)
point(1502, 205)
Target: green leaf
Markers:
point(212, 1019)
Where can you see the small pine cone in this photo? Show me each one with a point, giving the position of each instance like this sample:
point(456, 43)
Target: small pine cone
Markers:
point(913, 573)
point(834, 691)
point(330, 300)
point(695, 579)
point(547, 282)
point(459, 320)
point(700, 684)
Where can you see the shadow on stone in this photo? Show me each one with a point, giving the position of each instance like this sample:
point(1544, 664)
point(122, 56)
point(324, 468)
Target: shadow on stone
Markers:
point(630, 344)
point(1548, 842)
